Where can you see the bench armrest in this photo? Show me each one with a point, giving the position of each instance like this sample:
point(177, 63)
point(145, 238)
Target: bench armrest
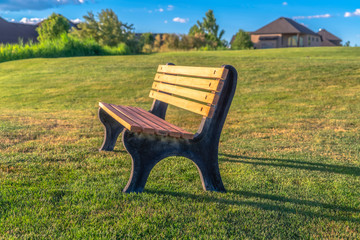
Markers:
point(159, 108)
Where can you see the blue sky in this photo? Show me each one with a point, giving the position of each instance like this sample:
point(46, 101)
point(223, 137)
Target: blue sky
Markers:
point(341, 18)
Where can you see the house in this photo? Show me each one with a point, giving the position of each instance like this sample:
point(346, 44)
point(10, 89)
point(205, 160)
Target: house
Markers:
point(328, 39)
point(11, 32)
point(285, 32)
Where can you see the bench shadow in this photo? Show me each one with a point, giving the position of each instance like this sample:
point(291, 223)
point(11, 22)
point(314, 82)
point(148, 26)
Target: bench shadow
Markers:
point(120, 151)
point(268, 206)
point(276, 162)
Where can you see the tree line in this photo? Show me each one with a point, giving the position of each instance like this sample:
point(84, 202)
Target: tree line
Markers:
point(107, 30)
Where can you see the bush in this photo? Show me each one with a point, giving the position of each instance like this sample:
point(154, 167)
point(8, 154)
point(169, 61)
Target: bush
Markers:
point(242, 40)
point(53, 27)
point(65, 46)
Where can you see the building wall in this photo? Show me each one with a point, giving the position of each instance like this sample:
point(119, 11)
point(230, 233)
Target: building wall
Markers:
point(257, 43)
point(286, 40)
point(312, 41)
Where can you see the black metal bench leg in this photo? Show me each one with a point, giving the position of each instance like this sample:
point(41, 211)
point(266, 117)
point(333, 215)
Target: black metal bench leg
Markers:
point(139, 174)
point(209, 173)
point(112, 130)
point(143, 151)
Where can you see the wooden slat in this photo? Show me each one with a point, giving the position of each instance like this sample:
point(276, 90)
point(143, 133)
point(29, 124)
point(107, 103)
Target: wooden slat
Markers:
point(152, 118)
point(198, 108)
point(201, 96)
point(219, 73)
point(122, 119)
point(145, 127)
point(159, 130)
point(201, 83)
point(162, 122)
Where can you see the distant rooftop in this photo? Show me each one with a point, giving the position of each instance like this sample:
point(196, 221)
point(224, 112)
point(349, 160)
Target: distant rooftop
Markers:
point(326, 35)
point(284, 26)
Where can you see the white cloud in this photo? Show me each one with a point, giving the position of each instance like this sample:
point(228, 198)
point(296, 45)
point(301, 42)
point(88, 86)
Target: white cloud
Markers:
point(327, 15)
point(180, 20)
point(76, 21)
point(31, 20)
point(169, 8)
point(284, 3)
point(69, 1)
point(166, 21)
point(352, 14)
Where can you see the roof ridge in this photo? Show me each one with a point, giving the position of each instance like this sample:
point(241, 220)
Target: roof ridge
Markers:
point(284, 25)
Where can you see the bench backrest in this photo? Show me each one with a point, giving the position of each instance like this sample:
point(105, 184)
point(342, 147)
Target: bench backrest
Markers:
point(195, 89)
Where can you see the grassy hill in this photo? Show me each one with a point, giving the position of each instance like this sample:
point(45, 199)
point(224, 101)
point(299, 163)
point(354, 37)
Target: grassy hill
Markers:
point(289, 151)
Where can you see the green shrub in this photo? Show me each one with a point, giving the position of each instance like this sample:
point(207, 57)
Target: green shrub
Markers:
point(64, 46)
point(53, 27)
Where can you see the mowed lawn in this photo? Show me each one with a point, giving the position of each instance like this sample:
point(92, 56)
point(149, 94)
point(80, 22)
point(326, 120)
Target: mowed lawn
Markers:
point(289, 153)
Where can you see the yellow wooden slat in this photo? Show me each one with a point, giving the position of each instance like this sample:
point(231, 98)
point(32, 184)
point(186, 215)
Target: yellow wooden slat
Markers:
point(201, 83)
point(183, 103)
point(219, 73)
point(197, 95)
point(112, 112)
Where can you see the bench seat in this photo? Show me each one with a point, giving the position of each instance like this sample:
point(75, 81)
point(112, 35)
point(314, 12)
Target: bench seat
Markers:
point(139, 120)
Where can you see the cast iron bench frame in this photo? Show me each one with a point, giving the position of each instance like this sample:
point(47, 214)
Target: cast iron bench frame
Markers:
point(147, 149)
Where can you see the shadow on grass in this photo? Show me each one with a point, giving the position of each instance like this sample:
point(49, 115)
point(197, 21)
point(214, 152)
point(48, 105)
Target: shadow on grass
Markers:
point(268, 206)
point(322, 167)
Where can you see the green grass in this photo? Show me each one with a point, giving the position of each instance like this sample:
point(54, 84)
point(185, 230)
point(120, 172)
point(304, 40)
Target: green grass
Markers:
point(289, 151)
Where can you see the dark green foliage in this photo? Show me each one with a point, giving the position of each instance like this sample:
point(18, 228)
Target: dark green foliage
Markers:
point(147, 42)
point(53, 27)
point(147, 38)
point(242, 40)
point(347, 44)
point(106, 29)
point(210, 29)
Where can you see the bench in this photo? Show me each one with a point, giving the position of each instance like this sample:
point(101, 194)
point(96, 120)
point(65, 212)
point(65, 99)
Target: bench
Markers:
point(149, 138)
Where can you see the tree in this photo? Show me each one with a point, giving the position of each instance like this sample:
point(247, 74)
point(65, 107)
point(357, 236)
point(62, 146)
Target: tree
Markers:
point(53, 27)
point(147, 42)
point(209, 28)
point(106, 29)
point(347, 44)
point(241, 40)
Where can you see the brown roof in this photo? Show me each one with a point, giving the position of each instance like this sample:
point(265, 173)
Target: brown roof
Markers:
point(11, 32)
point(326, 35)
point(284, 25)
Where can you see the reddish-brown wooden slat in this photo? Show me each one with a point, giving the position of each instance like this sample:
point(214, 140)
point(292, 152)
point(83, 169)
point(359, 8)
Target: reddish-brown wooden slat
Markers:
point(146, 128)
point(184, 134)
point(171, 131)
point(121, 118)
point(159, 130)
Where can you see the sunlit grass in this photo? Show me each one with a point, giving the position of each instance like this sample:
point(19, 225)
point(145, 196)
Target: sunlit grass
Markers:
point(289, 151)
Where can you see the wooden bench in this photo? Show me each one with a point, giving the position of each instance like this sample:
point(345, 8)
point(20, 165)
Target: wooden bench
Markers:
point(149, 138)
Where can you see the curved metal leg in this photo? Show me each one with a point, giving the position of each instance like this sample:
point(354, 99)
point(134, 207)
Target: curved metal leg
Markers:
point(112, 130)
point(139, 174)
point(208, 167)
point(144, 151)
